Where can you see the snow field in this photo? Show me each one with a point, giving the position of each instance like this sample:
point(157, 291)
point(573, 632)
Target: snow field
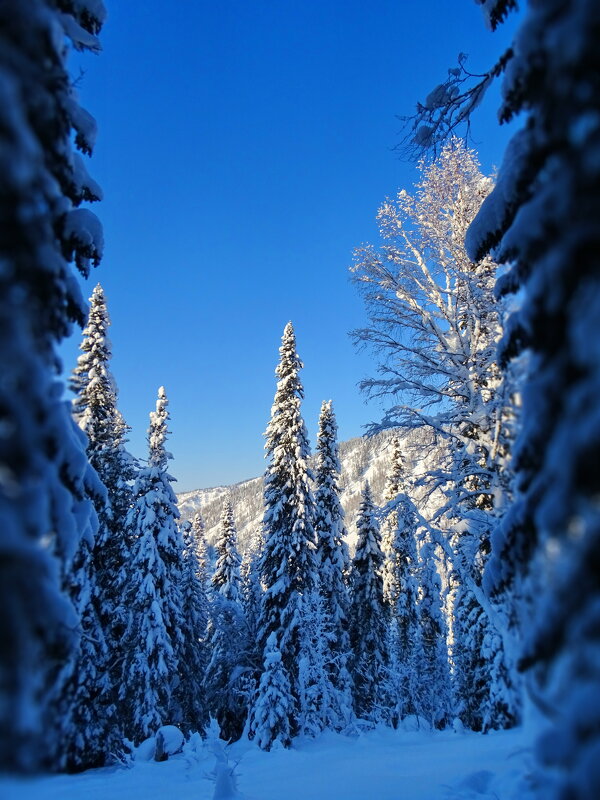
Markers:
point(383, 765)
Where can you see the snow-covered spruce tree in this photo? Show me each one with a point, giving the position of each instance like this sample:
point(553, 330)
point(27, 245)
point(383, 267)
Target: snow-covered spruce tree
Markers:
point(426, 297)
point(288, 562)
point(272, 710)
point(369, 617)
point(320, 705)
point(226, 579)
point(226, 687)
point(46, 483)
point(87, 732)
point(193, 651)
point(542, 219)
point(401, 577)
point(199, 538)
point(333, 565)
point(398, 550)
point(153, 633)
point(251, 586)
point(95, 409)
point(394, 486)
point(432, 698)
point(251, 602)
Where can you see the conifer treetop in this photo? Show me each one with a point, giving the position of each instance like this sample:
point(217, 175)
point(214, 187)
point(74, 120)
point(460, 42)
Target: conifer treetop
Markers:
point(226, 579)
point(92, 381)
point(158, 432)
point(395, 484)
point(329, 521)
point(328, 461)
point(368, 544)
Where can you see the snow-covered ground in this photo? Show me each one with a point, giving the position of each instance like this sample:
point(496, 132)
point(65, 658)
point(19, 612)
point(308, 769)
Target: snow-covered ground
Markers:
point(382, 765)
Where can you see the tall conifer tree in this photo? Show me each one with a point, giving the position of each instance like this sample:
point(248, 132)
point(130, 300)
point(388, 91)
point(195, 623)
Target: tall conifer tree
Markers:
point(401, 587)
point(333, 564)
point(96, 412)
point(199, 538)
point(193, 651)
point(225, 678)
point(369, 616)
point(288, 563)
point(433, 696)
point(153, 634)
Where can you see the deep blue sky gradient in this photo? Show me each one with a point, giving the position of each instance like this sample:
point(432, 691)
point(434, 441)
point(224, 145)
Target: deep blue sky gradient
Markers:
point(244, 149)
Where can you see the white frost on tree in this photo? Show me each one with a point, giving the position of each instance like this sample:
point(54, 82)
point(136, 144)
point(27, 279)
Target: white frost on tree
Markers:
point(435, 325)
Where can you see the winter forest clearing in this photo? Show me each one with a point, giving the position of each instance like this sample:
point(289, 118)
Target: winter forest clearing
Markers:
point(410, 614)
point(382, 764)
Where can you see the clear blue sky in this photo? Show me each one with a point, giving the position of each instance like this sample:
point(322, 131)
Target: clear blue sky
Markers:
point(244, 149)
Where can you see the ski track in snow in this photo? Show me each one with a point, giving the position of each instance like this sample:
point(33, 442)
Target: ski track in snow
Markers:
point(383, 765)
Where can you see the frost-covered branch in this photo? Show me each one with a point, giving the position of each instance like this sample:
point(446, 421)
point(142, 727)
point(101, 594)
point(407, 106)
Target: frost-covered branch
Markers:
point(447, 109)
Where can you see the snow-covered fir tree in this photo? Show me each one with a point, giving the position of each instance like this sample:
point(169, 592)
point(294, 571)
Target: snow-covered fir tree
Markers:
point(433, 699)
point(482, 687)
point(193, 650)
point(288, 562)
point(227, 673)
point(395, 485)
point(46, 486)
point(199, 538)
point(153, 633)
point(251, 586)
point(369, 617)
point(319, 705)
point(273, 708)
point(95, 409)
point(333, 565)
point(226, 579)
point(251, 602)
point(542, 220)
point(425, 296)
point(401, 577)
point(88, 731)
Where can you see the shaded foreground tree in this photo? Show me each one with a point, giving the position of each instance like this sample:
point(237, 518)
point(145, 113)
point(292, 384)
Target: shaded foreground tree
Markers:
point(45, 482)
point(542, 218)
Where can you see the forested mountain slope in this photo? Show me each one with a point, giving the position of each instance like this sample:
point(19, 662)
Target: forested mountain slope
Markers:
point(362, 458)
